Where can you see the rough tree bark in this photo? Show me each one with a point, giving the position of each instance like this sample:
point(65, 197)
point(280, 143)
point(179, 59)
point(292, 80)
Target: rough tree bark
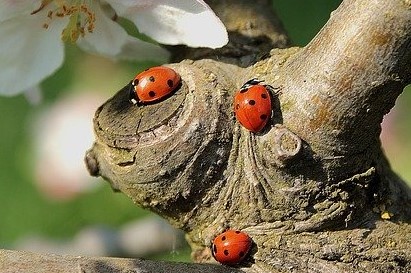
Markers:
point(313, 190)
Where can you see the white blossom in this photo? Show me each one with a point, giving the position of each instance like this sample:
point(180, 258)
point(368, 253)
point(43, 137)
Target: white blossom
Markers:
point(32, 33)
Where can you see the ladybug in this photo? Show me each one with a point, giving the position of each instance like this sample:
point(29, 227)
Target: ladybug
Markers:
point(153, 84)
point(252, 105)
point(231, 246)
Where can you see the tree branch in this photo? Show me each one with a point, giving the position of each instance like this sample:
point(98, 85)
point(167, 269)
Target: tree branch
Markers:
point(349, 76)
point(316, 175)
point(313, 178)
point(20, 261)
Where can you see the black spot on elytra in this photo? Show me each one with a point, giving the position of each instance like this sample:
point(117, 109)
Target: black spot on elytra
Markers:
point(263, 117)
point(151, 79)
point(264, 95)
point(170, 83)
point(152, 94)
point(237, 106)
point(251, 102)
point(237, 232)
point(226, 253)
point(223, 238)
point(135, 82)
point(243, 90)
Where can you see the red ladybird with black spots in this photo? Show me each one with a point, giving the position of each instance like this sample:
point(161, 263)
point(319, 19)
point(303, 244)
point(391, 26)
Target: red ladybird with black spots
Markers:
point(231, 246)
point(252, 105)
point(154, 84)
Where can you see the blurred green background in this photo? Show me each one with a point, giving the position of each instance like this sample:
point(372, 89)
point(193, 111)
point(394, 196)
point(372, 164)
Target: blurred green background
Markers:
point(26, 209)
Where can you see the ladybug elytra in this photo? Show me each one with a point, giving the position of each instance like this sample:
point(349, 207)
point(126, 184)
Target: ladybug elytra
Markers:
point(231, 246)
point(154, 84)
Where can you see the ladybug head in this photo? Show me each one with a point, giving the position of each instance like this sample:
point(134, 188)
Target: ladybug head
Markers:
point(249, 83)
point(132, 93)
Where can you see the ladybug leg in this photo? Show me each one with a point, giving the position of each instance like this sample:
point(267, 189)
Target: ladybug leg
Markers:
point(274, 90)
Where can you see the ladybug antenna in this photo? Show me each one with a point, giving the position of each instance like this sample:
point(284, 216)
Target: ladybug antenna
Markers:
point(132, 94)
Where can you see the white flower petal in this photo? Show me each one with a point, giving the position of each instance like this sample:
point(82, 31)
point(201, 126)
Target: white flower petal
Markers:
point(34, 95)
point(110, 39)
point(173, 22)
point(28, 52)
point(11, 8)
